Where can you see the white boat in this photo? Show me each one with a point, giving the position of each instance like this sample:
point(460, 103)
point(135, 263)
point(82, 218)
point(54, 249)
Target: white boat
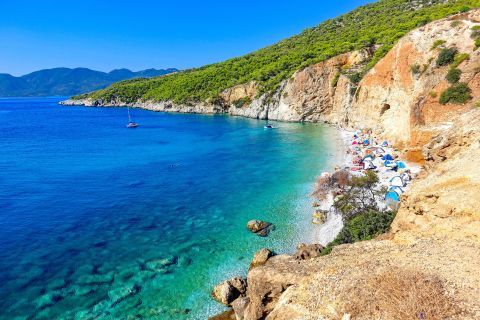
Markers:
point(131, 123)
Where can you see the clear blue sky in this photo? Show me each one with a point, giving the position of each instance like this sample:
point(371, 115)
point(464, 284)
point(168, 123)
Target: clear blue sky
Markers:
point(140, 34)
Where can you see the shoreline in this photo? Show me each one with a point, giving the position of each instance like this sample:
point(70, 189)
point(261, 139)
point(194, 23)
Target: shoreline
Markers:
point(345, 152)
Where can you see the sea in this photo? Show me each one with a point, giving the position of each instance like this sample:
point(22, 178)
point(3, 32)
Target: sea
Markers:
point(100, 221)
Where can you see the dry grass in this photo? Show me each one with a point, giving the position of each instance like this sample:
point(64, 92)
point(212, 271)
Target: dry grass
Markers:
point(400, 295)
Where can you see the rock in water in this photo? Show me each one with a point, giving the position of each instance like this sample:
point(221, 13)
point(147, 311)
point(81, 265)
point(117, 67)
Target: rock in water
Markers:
point(260, 228)
point(260, 257)
point(308, 251)
point(319, 216)
point(230, 290)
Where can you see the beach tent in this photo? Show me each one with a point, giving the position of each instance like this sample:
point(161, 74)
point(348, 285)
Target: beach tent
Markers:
point(401, 165)
point(387, 157)
point(368, 165)
point(405, 176)
point(369, 156)
point(379, 150)
point(392, 195)
point(368, 151)
point(390, 164)
point(397, 181)
point(396, 189)
point(354, 142)
point(366, 142)
point(393, 200)
point(385, 144)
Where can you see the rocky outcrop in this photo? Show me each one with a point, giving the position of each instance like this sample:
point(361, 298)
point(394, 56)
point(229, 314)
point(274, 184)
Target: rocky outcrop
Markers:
point(260, 228)
point(229, 291)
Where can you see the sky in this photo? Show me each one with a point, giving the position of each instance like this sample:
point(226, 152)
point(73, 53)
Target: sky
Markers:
point(106, 34)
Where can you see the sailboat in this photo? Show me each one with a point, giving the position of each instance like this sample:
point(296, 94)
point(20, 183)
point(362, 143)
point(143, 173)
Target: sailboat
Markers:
point(130, 124)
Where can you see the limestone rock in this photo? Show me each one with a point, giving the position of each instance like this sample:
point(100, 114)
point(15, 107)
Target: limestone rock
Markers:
point(308, 251)
point(260, 257)
point(260, 228)
point(229, 290)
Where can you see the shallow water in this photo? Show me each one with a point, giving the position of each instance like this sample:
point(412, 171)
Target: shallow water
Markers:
point(98, 220)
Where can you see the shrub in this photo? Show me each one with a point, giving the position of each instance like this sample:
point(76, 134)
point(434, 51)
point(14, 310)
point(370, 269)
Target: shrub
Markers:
point(365, 226)
point(415, 69)
point(328, 183)
point(356, 77)
point(453, 75)
point(335, 79)
point(477, 104)
point(458, 93)
point(459, 58)
point(456, 23)
point(437, 44)
point(242, 102)
point(446, 56)
point(477, 43)
point(433, 94)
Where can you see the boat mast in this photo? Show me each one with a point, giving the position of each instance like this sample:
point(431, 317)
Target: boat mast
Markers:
point(129, 118)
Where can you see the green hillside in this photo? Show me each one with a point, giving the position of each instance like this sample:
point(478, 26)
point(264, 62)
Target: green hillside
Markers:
point(381, 23)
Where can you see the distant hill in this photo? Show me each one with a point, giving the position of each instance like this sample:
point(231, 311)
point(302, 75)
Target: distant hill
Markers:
point(67, 82)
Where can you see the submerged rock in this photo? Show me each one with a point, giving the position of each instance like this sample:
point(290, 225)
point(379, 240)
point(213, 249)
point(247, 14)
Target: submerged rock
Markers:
point(260, 228)
point(229, 290)
point(161, 264)
point(96, 279)
point(119, 294)
point(260, 257)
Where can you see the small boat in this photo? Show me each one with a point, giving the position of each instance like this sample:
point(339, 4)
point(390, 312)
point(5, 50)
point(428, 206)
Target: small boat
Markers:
point(268, 126)
point(131, 123)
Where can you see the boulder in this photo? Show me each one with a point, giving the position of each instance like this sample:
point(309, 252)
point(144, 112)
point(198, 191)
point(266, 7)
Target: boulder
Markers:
point(319, 216)
point(260, 228)
point(260, 257)
point(239, 306)
point(308, 251)
point(229, 290)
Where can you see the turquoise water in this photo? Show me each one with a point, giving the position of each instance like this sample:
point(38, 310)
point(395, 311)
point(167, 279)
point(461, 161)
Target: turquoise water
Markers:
point(99, 221)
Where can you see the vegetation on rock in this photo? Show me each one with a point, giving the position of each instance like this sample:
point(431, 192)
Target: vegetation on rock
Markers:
point(453, 75)
point(446, 56)
point(381, 24)
point(458, 93)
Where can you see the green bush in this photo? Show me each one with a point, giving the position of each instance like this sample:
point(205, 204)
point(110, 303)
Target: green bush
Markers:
point(477, 43)
point(437, 44)
point(365, 226)
point(453, 75)
point(355, 78)
point(242, 102)
point(335, 79)
point(459, 58)
point(458, 93)
point(446, 56)
point(382, 23)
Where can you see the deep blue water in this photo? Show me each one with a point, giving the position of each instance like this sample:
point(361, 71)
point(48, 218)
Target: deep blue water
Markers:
point(101, 221)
